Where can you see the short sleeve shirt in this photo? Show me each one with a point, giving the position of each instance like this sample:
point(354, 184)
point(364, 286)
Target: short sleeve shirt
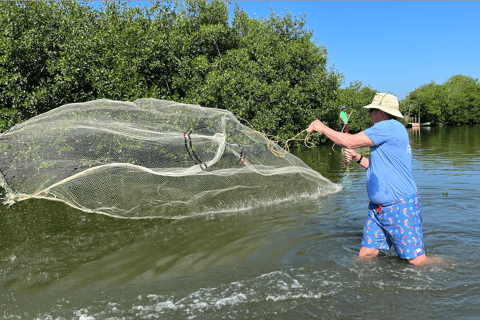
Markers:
point(389, 174)
point(344, 117)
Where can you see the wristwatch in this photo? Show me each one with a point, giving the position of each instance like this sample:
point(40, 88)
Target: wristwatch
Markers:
point(360, 160)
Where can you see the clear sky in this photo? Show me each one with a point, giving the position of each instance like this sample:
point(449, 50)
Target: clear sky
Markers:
point(393, 46)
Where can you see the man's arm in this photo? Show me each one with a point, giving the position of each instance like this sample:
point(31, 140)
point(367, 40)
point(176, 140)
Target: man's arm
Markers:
point(346, 140)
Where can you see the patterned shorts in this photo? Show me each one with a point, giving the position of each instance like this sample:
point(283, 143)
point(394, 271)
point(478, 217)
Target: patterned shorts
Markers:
point(398, 224)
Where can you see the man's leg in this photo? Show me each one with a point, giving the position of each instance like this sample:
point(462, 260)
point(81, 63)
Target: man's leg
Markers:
point(368, 253)
point(373, 239)
point(409, 243)
point(423, 260)
point(419, 261)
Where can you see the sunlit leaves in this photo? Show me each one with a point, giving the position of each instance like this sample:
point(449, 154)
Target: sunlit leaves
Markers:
point(457, 101)
point(267, 71)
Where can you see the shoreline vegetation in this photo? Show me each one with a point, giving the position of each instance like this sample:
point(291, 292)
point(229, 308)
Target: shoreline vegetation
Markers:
point(268, 71)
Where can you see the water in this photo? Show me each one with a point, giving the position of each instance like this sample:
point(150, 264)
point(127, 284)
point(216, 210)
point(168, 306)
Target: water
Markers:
point(296, 260)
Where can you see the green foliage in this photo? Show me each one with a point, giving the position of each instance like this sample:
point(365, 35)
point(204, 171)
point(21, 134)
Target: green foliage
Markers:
point(275, 77)
point(266, 71)
point(455, 101)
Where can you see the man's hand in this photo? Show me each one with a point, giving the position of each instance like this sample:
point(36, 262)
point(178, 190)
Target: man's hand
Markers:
point(350, 155)
point(316, 125)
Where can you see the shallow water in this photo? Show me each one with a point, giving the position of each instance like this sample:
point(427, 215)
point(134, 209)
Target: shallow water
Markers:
point(284, 261)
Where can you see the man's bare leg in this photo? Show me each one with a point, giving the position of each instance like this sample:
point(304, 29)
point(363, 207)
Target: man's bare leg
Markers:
point(367, 253)
point(423, 260)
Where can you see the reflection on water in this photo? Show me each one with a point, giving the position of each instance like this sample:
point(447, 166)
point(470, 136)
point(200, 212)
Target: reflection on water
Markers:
point(451, 142)
point(284, 261)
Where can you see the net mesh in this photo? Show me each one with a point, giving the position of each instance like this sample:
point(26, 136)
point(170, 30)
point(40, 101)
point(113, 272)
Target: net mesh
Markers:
point(149, 158)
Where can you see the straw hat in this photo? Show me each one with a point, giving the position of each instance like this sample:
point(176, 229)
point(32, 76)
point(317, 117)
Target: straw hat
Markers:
point(385, 102)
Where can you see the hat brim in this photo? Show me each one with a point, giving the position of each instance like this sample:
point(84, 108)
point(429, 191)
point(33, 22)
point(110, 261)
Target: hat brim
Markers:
point(393, 111)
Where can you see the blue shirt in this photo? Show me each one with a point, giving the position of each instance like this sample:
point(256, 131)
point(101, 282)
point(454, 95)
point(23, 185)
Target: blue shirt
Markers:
point(389, 174)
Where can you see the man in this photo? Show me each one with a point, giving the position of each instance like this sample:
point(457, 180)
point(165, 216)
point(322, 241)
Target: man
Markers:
point(395, 216)
point(344, 119)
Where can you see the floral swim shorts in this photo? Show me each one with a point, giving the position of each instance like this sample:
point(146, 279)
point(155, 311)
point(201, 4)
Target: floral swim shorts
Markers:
point(398, 224)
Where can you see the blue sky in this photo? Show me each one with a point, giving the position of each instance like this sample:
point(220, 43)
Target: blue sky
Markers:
point(393, 46)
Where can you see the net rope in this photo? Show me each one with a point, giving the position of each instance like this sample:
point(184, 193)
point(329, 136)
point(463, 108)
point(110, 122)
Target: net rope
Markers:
point(273, 142)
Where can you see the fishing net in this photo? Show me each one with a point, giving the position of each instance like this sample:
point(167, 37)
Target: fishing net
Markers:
point(149, 158)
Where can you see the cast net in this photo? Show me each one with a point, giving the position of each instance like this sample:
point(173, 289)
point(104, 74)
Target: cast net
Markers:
point(147, 159)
